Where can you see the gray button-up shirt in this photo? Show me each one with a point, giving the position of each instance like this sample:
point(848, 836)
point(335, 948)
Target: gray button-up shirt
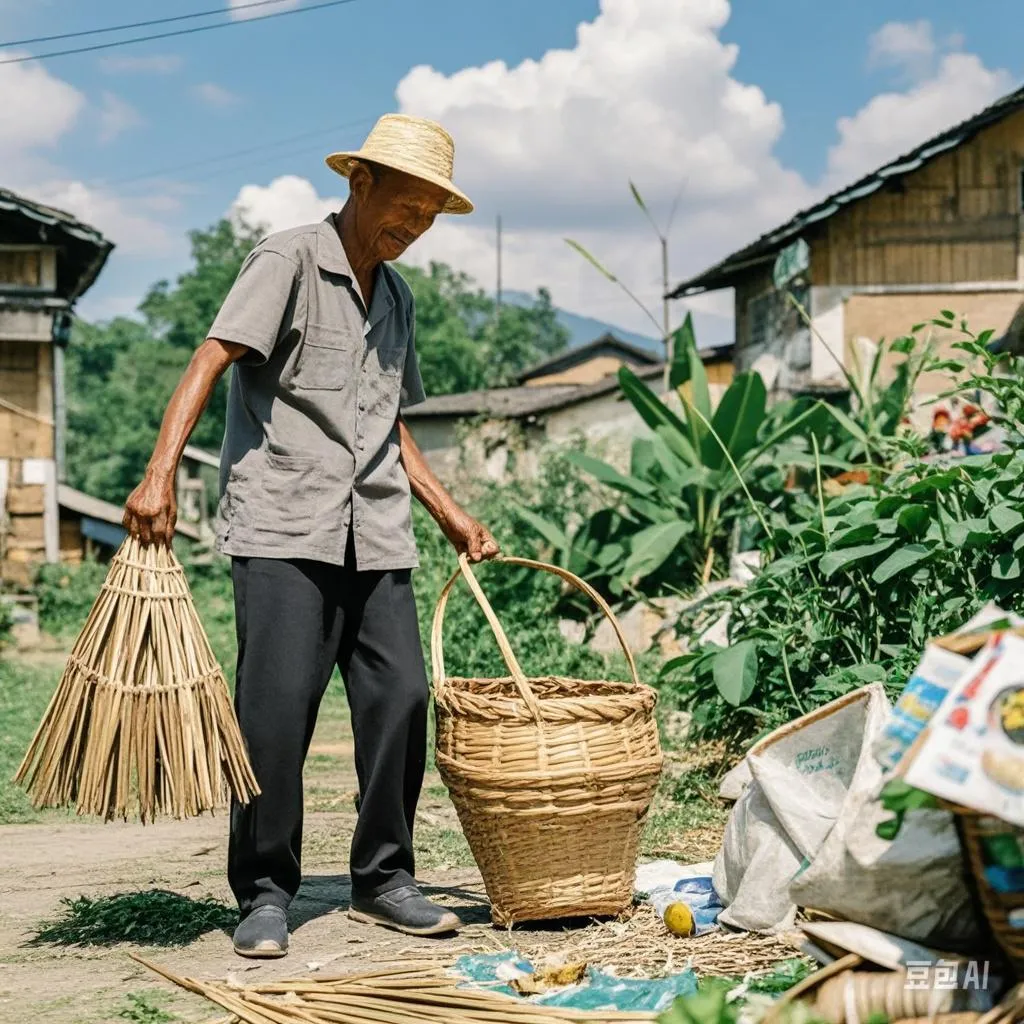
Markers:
point(311, 443)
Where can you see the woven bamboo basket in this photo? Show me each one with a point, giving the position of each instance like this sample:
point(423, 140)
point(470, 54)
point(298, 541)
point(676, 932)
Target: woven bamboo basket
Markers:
point(552, 778)
point(1000, 909)
point(141, 717)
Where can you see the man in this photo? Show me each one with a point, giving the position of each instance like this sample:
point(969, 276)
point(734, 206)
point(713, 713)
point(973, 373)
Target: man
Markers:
point(316, 473)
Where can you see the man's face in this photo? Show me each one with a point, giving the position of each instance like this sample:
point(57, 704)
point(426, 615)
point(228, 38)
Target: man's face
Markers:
point(394, 210)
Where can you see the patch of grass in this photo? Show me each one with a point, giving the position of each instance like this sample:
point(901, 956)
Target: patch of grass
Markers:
point(25, 691)
point(155, 918)
point(436, 791)
point(687, 819)
point(441, 849)
point(144, 1008)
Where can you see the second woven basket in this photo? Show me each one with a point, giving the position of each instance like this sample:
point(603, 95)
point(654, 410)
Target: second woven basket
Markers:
point(551, 777)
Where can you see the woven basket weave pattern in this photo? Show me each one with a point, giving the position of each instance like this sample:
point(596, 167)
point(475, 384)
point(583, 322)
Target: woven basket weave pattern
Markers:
point(997, 906)
point(551, 777)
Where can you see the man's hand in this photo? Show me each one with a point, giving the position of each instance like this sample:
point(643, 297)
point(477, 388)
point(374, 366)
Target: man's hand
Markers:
point(469, 536)
point(151, 512)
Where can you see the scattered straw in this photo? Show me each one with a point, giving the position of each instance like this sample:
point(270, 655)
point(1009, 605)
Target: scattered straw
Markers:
point(637, 945)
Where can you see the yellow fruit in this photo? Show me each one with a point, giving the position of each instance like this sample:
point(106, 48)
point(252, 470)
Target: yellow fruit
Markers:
point(678, 919)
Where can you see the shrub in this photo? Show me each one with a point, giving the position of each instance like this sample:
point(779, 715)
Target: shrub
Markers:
point(66, 593)
point(856, 585)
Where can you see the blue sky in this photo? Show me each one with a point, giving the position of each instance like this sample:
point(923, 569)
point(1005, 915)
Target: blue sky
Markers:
point(741, 108)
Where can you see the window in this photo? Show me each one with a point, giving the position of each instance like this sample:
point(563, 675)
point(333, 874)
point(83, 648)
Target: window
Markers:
point(20, 268)
point(772, 317)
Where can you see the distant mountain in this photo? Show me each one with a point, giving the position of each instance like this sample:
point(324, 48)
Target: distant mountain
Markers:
point(711, 331)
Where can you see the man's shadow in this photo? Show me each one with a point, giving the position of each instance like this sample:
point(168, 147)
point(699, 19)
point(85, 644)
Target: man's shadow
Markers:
point(320, 895)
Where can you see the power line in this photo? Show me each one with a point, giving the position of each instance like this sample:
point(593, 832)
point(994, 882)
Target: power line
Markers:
point(206, 161)
point(177, 32)
point(136, 24)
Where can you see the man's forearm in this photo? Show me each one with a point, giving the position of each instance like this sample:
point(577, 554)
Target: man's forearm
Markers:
point(425, 486)
point(190, 398)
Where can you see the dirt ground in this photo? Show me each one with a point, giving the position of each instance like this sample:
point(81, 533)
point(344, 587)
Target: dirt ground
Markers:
point(41, 863)
point(63, 857)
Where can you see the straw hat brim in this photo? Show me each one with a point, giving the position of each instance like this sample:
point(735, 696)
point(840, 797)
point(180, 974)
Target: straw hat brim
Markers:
point(458, 202)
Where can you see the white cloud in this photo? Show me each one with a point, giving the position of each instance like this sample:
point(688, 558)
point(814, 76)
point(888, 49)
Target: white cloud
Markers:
point(894, 122)
point(909, 45)
point(116, 116)
point(646, 93)
point(286, 202)
point(47, 107)
point(214, 95)
point(154, 64)
point(239, 14)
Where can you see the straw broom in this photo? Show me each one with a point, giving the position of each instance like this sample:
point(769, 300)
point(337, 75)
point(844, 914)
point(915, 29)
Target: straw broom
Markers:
point(142, 714)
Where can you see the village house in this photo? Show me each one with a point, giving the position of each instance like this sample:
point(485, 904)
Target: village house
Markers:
point(941, 228)
point(48, 260)
point(574, 397)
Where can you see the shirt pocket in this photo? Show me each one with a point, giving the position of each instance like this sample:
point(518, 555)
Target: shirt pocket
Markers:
point(326, 359)
point(292, 491)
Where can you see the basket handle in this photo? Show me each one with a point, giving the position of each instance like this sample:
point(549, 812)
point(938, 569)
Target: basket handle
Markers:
point(518, 677)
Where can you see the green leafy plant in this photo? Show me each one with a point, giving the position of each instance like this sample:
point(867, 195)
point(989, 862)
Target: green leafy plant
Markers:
point(900, 797)
point(855, 585)
point(690, 483)
point(148, 918)
point(6, 624)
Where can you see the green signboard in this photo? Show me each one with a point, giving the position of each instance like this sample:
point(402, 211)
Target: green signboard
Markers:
point(793, 262)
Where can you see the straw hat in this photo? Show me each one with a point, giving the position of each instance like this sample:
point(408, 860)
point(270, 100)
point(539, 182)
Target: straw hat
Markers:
point(411, 144)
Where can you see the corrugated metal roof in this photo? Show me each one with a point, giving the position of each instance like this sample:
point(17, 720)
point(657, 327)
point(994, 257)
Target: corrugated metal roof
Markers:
point(202, 456)
point(87, 247)
point(95, 508)
point(723, 273)
point(520, 402)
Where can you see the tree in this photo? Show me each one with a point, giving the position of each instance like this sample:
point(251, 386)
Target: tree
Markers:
point(464, 342)
point(120, 375)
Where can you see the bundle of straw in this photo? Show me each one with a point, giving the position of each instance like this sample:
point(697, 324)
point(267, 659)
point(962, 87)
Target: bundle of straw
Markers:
point(142, 712)
point(410, 995)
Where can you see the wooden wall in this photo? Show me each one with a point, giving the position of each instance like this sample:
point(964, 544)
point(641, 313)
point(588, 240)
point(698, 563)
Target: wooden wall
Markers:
point(889, 316)
point(27, 452)
point(26, 381)
point(958, 219)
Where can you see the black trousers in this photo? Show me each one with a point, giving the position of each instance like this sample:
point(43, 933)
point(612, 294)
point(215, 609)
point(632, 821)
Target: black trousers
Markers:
point(296, 620)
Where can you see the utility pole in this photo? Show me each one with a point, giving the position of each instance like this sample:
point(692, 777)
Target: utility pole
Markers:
point(665, 311)
point(498, 290)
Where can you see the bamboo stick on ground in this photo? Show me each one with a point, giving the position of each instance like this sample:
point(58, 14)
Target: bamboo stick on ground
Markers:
point(421, 996)
point(141, 718)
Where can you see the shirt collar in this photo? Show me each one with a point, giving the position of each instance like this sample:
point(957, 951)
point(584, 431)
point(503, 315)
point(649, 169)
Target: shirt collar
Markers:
point(330, 256)
point(330, 253)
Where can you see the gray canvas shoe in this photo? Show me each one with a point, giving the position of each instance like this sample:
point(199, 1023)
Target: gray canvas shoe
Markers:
point(262, 934)
point(404, 910)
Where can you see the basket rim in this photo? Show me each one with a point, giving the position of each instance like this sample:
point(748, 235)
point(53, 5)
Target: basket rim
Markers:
point(623, 699)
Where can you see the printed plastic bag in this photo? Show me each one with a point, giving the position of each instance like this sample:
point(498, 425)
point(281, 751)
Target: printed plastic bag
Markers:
point(801, 776)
